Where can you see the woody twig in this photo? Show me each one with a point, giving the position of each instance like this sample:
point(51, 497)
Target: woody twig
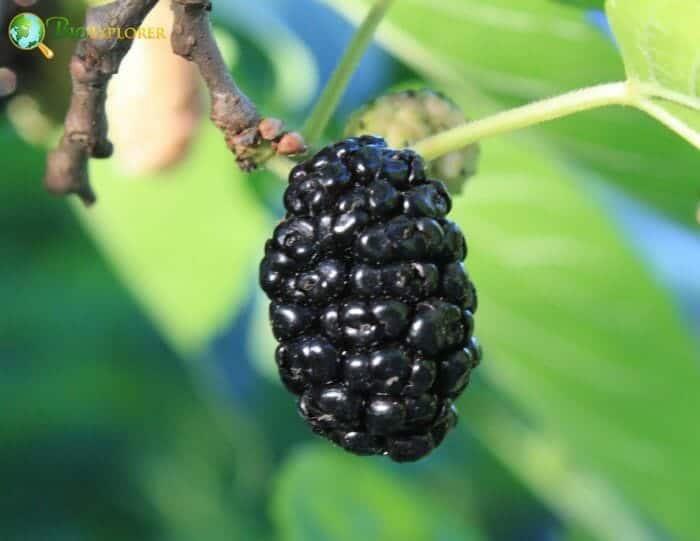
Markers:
point(96, 59)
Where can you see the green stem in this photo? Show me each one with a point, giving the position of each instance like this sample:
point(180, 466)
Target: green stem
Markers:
point(334, 90)
point(280, 166)
point(521, 117)
point(669, 120)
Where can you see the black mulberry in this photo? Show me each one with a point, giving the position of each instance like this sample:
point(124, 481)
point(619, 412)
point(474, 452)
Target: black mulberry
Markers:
point(371, 304)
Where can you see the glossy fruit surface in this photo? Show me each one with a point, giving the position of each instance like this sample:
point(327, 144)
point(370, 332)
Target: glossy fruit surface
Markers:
point(371, 303)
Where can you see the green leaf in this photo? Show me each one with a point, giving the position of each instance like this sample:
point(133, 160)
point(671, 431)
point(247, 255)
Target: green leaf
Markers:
point(324, 493)
point(577, 535)
point(185, 241)
point(579, 335)
point(204, 486)
point(535, 51)
point(589, 4)
point(534, 46)
point(294, 70)
point(579, 496)
point(660, 45)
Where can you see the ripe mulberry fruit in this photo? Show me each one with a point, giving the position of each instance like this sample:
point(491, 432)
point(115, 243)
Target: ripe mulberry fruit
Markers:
point(371, 303)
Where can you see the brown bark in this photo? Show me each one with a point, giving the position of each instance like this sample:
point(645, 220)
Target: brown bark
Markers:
point(95, 61)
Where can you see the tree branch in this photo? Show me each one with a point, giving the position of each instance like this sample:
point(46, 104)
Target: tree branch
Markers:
point(231, 110)
point(96, 60)
point(93, 64)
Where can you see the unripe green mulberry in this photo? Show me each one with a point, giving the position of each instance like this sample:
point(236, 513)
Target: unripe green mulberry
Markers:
point(404, 118)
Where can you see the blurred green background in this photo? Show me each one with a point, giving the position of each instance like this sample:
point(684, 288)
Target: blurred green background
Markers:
point(138, 394)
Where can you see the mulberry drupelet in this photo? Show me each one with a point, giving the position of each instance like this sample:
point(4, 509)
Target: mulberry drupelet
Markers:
point(371, 304)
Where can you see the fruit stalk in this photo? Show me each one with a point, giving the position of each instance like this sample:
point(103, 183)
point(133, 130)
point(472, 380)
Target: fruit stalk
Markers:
point(521, 117)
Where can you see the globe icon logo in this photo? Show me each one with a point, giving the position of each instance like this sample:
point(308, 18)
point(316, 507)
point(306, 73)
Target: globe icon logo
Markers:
point(27, 32)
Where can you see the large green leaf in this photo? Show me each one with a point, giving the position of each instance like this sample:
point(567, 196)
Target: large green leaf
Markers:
point(184, 241)
point(324, 493)
point(579, 335)
point(570, 317)
point(522, 50)
point(660, 45)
